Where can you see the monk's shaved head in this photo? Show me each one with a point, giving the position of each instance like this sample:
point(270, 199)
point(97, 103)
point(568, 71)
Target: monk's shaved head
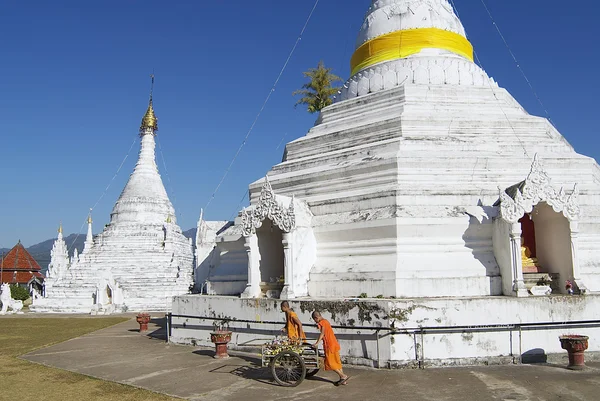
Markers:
point(285, 304)
point(316, 314)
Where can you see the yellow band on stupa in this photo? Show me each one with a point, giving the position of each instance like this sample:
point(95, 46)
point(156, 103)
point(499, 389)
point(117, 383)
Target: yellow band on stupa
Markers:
point(401, 44)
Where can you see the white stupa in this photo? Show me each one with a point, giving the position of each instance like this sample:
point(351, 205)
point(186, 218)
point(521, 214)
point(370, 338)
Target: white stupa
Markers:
point(139, 261)
point(395, 190)
point(416, 202)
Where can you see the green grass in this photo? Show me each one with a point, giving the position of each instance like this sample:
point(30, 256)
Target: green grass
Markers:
point(22, 380)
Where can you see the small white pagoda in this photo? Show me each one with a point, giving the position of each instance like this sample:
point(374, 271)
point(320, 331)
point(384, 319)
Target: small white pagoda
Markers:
point(139, 261)
point(425, 184)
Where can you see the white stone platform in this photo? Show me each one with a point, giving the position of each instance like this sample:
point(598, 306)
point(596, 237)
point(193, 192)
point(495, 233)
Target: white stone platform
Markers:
point(406, 346)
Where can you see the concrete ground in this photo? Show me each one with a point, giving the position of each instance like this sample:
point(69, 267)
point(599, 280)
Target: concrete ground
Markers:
point(121, 354)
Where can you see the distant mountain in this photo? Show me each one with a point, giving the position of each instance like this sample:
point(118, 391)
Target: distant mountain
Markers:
point(41, 251)
point(191, 233)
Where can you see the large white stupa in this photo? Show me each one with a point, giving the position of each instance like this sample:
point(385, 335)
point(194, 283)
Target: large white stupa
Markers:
point(425, 184)
point(396, 186)
point(139, 261)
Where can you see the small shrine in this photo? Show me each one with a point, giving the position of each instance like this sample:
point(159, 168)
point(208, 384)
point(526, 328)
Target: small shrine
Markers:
point(20, 268)
point(538, 259)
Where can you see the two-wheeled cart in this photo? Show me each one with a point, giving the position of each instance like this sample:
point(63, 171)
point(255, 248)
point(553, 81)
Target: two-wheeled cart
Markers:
point(290, 365)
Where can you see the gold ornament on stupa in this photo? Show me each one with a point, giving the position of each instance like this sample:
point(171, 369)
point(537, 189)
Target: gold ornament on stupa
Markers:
point(149, 120)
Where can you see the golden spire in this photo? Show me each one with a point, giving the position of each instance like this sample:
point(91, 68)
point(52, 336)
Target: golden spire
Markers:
point(60, 228)
point(150, 120)
point(89, 219)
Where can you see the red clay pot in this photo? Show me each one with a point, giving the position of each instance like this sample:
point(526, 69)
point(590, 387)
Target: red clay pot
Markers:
point(143, 319)
point(575, 346)
point(220, 339)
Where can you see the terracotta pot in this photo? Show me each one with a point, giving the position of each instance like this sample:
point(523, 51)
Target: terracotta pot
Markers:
point(143, 319)
point(575, 346)
point(220, 339)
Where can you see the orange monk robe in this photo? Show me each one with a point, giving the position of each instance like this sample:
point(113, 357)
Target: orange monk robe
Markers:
point(330, 346)
point(294, 331)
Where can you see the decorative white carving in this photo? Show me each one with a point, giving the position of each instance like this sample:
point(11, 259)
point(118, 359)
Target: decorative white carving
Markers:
point(417, 69)
point(59, 259)
point(268, 207)
point(538, 188)
point(8, 301)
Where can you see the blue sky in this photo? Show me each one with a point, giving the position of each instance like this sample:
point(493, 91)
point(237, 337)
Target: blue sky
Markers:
point(75, 79)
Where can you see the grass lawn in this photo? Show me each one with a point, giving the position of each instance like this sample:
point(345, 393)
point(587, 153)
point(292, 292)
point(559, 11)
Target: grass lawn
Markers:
point(21, 380)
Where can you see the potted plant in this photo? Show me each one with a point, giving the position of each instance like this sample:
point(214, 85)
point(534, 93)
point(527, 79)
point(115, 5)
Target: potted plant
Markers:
point(220, 336)
point(575, 346)
point(143, 318)
point(569, 287)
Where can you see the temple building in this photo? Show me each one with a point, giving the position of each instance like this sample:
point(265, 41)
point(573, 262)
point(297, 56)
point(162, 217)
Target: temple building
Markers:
point(426, 184)
point(20, 268)
point(139, 261)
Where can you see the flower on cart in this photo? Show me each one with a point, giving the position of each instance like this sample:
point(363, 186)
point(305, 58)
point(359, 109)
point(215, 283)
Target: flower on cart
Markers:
point(282, 344)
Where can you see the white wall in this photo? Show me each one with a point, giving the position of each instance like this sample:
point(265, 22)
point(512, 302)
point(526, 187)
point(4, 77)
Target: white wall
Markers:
point(361, 346)
point(502, 251)
point(270, 246)
point(553, 242)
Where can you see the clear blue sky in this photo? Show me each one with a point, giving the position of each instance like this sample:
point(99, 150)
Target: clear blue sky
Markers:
point(74, 86)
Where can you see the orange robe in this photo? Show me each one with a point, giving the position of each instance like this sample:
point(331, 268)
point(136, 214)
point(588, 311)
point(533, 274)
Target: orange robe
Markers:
point(330, 346)
point(294, 331)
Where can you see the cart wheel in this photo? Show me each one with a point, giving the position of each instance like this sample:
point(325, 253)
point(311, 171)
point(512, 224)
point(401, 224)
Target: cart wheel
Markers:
point(288, 369)
point(312, 372)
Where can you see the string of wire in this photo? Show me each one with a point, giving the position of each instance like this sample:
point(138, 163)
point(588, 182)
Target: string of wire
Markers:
point(516, 61)
point(494, 93)
point(262, 107)
point(103, 193)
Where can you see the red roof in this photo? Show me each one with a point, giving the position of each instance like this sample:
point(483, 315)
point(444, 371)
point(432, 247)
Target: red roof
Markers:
point(19, 259)
point(19, 267)
point(19, 277)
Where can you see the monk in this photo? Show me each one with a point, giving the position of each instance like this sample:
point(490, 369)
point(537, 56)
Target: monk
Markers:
point(331, 348)
point(293, 325)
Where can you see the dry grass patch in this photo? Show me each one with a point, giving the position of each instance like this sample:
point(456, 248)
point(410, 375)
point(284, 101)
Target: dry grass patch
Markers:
point(22, 380)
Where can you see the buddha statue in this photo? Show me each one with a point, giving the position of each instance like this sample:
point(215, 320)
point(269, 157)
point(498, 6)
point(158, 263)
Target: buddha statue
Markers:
point(526, 258)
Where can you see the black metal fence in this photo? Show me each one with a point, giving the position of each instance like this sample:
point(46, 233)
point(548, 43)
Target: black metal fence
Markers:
point(418, 333)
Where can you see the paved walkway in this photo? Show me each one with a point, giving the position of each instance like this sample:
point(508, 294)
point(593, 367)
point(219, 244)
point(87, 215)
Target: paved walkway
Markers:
point(123, 355)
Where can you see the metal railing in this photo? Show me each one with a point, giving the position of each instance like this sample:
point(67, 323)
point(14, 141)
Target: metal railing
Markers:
point(418, 332)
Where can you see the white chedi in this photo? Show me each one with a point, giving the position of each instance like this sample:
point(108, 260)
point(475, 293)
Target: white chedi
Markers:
point(8, 301)
point(138, 262)
point(401, 177)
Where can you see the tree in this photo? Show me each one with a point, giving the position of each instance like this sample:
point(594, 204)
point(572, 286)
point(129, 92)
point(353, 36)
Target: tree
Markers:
point(19, 293)
point(317, 93)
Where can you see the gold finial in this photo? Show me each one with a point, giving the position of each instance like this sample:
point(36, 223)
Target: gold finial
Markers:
point(89, 219)
point(169, 219)
point(149, 120)
point(60, 228)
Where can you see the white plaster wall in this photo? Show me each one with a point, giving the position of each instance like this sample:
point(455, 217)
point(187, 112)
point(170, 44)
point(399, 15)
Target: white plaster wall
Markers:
point(358, 347)
point(361, 346)
point(270, 251)
point(229, 275)
point(304, 254)
point(502, 251)
point(553, 242)
point(493, 311)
